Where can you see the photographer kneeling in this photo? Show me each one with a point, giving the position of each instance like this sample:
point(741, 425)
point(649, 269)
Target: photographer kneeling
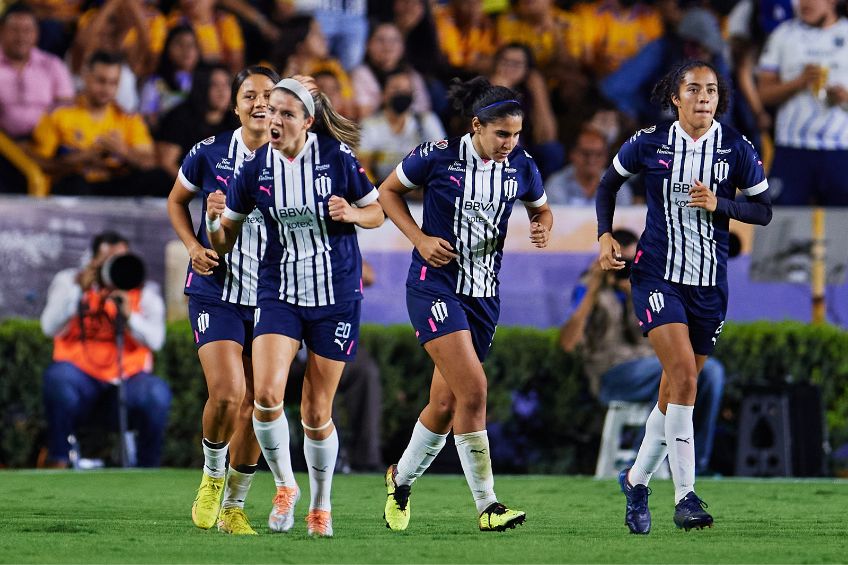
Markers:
point(85, 311)
point(619, 362)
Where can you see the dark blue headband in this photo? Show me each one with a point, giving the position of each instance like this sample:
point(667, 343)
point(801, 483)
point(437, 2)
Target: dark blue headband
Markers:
point(493, 104)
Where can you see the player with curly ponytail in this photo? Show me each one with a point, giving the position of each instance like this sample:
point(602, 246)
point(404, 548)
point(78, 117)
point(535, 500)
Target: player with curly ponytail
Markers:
point(470, 185)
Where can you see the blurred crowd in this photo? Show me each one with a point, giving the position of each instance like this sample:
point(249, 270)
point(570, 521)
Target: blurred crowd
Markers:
point(106, 96)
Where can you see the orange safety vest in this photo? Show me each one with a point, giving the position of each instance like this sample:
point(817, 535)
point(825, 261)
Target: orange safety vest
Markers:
point(88, 342)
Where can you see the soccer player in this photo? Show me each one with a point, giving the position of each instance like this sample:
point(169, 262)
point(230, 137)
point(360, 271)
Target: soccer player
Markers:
point(692, 168)
point(222, 297)
point(470, 185)
point(311, 192)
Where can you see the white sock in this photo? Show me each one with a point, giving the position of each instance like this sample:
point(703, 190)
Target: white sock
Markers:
point(423, 447)
point(680, 435)
point(473, 449)
point(237, 485)
point(273, 438)
point(321, 458)
point(214, 460)
point(653, 450)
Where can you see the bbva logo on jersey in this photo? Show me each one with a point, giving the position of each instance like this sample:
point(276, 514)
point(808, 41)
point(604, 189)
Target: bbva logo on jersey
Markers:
point(323, 185)
point(510, 188)
point(720, 170)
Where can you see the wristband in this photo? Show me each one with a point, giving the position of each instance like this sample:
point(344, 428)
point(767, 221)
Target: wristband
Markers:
point(213, 225)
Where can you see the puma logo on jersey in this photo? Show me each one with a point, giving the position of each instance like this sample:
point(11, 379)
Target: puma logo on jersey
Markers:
point(224, 180)
point(341, 344)
point(265, 189)
point(456, 180)
point(664, 163)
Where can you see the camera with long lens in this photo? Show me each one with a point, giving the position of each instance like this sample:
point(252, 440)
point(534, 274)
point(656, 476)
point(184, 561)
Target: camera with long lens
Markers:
point(122, 272)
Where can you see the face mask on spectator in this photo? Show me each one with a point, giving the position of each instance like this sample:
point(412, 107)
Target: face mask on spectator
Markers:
point(400, 103)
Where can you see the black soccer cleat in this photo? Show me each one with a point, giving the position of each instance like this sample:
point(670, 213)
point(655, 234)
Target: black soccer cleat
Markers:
point(689, 513)
point(637, 516)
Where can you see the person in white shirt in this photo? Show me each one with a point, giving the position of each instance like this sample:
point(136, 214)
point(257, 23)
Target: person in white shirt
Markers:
point(803, 71)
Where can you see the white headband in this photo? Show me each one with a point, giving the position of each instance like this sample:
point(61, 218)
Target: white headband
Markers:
point(300, 91)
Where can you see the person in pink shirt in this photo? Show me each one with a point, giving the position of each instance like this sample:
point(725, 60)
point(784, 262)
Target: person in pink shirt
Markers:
point(32, 82)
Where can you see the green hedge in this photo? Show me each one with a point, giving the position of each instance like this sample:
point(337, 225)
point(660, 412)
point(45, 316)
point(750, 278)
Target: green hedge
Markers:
point(541, 414)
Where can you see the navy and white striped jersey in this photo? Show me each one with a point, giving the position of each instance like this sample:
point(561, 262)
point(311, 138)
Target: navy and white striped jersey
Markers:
point(805, 121)
point(311, 259)
point(467, 202)
point(209, 166)
point(681, 244)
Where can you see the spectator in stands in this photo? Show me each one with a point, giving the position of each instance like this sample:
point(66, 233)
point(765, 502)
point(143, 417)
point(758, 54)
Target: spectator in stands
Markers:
point(32, 82)
point(56, 22)
point(396, 130)
point(79, 386)
point(421, 42)
point(697, 37)
point(302, 50)
point(514, 68)
point(576, 184)
point(171, 83)
point(219, 33)
point(139, 29)
point(133, 28)
point(345, 25)
point(616, 30)
point(94, 148)
point(748, 25)
point(619, 362)
point(803, 72)
point(328, 83)
point(553, 35)
point(466, 36)
point(205, 112)
point(384, 54)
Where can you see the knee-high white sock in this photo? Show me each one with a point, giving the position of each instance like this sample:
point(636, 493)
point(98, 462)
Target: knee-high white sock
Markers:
point(214, 458)
point(473, 449)
point(680, 435)
point(423, 447)
point(653, 450)
point(273, 438)
point(321, 458)
point(237, 485)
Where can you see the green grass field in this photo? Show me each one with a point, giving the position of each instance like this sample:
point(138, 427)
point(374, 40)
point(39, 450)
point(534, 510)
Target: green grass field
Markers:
point(144, 517)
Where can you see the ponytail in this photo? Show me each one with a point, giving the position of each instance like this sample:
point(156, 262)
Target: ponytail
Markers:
point(669, 86)
point(478, 97)
point(330, 122)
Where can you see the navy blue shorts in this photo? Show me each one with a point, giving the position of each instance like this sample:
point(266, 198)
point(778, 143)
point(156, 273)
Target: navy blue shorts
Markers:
point(435, 313)
point(658, 302)
point(216, 320)
point(329, 331)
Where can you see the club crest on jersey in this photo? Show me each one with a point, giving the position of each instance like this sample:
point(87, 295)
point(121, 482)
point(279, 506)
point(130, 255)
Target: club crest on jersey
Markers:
point(208, 141)
point(323, 186)
point(203, 322)
point(345, 148)
point(720, 170)
point(510, 188)
point(657, 301)
point(439, 310)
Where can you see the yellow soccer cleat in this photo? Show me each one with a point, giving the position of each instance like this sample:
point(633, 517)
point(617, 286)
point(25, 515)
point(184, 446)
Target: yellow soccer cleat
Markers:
point(233, 520)
point(497, 518)
point(319, 524)
point(397, 509)
point(207, 504)
point(281, 518)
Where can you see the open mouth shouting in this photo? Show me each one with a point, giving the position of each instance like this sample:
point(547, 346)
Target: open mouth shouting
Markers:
point(276, 134)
